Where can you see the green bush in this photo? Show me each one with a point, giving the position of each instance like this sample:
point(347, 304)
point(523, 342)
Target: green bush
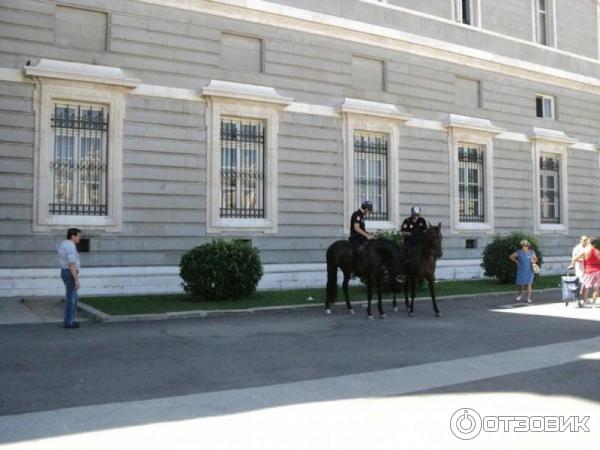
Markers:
point(221, 270)
point(495, 256)
point(393, 235)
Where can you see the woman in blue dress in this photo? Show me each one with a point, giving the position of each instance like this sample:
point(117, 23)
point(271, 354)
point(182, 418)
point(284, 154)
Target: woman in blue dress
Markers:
point(524, 258)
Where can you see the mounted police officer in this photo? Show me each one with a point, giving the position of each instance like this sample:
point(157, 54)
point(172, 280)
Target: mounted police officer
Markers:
point(359, 235)
point(413, 228)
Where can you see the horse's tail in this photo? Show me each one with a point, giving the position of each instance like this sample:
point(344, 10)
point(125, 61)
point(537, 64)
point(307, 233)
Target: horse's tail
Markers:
point(331, 276)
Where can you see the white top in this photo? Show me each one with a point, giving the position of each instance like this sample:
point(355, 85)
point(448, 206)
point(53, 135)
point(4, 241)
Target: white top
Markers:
point(67, 254)
point(579, 267)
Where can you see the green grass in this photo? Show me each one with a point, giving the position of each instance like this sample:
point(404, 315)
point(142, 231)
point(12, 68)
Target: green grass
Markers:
point(153, 304)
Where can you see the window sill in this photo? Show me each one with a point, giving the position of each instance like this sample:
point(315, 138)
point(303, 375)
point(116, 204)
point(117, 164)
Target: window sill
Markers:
point(243, 225)
point(380, 225)
point(552, 228)
point(486, 228)
point(102, 223)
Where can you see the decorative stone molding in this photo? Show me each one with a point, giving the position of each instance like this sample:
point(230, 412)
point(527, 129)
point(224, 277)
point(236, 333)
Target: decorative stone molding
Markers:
point(78, 83)
point(556, 137)
point(225, 98)
point(362, 115)
point(89, 73)
point(374, 109)
point(248, 92)
point(472, 124)
point(471, 130)
point(544, 140)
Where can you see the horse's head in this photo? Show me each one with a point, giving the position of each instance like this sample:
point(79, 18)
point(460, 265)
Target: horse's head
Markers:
point(433, 240)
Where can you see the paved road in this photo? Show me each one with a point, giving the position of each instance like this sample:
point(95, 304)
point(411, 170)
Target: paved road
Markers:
point(302, 379)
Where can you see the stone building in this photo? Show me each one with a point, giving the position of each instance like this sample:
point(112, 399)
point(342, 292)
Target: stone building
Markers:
point(157, 125)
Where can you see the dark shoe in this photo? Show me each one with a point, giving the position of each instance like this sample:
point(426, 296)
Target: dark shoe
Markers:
point(73, 325)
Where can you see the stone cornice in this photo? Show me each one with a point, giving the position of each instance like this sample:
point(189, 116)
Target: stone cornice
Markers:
point(89, 73)
point(554, 136)
point(248, 92)
point(368, 108)
point(472, 124)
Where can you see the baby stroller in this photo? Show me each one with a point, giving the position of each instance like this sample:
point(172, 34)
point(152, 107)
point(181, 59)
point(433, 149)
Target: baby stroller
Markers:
point(570, 286)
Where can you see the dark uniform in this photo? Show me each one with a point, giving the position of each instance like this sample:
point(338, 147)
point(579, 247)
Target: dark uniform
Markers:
point(357, 240)
point(358, 217)
point(416, 229)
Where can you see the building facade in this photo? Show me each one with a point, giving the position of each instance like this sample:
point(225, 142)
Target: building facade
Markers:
point(158, 125)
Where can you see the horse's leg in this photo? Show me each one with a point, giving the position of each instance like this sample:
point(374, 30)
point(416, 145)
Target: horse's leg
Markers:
point(413, 288)
point(345, 288)
point(369, 297)
point(379, 298)
point(406, 287)
point(394, 292)
point(431, 282)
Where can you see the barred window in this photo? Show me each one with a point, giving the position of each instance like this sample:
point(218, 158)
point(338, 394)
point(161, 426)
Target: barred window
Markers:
point(79, 161)
point(242, 168)
point(549, 189)
point(370, 172)
point(471, 183)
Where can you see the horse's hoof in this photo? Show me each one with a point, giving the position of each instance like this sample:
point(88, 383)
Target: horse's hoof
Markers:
point(411, 314)
point(395, 309)
point(382, 316)
point(370, 317)
point(438, 314)
point(327, 311)
point(351, 311)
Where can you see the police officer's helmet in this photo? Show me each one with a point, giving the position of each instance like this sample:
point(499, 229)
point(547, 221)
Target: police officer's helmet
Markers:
point(415, 210)
point(367, 206)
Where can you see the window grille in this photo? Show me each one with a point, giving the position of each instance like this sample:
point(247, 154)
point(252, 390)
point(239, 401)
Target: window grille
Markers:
point(79, 166)
point(242, 168)
point(471, 184)
point(550, 189)
point(370, 172)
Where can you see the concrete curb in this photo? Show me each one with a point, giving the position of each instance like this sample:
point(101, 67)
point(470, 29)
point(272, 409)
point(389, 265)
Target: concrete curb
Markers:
point(103, 317)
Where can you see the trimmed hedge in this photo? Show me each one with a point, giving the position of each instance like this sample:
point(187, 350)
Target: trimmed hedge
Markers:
point(495, 256)
point(221, 270)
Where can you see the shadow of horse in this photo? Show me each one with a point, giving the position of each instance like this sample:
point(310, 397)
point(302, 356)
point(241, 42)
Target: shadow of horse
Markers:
point(420, 266)
point(378, 260)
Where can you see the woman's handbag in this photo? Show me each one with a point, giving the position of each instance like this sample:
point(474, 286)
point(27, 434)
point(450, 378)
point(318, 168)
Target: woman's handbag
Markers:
point(536, 268)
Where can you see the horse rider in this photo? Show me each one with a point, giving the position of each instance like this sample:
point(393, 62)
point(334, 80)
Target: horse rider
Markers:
point(413, 228)
point(358, 233)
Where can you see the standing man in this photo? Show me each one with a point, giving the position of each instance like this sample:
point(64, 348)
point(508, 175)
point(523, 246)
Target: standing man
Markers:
point(68, 259)
point(358, 233)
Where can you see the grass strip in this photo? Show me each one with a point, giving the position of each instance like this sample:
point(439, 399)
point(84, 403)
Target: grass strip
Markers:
point(156, 304)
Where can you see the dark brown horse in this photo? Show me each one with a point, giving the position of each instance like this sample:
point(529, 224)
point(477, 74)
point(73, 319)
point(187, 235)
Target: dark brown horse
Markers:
point(420, 266)
point(377, 260)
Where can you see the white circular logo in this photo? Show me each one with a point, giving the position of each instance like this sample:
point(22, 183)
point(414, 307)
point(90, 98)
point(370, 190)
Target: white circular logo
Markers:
point(465, 424)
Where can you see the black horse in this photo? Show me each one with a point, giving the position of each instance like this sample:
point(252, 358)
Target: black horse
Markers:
point(420, 265)
point(378, 260)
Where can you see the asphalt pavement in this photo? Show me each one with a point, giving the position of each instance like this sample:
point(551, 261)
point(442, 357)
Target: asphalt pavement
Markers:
point(303, 379)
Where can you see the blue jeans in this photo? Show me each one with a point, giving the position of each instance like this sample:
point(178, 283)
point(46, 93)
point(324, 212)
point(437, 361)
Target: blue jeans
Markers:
point(71, 296)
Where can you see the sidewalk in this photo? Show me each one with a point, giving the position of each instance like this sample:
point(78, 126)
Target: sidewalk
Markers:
point(19, 310)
